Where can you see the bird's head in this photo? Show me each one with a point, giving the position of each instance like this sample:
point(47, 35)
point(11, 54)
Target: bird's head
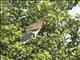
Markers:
point(45, 18)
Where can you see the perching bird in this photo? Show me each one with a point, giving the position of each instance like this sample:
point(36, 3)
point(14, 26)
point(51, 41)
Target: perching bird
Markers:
point(33, 29)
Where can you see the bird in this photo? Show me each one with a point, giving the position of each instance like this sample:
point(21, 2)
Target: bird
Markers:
point(33, 29)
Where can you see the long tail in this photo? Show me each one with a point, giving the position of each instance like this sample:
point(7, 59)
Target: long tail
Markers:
point(25, 38)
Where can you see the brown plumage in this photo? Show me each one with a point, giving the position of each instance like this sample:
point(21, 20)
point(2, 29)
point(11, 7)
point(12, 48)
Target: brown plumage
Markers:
point(34, 29)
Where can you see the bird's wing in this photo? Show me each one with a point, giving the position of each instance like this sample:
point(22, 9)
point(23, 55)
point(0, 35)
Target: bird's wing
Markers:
point(35, 26)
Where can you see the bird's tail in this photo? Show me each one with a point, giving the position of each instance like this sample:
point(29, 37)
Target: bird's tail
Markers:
point(25, 37)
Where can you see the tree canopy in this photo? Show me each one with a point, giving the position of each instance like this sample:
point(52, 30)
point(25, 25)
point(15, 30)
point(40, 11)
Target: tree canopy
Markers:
point(59, 39)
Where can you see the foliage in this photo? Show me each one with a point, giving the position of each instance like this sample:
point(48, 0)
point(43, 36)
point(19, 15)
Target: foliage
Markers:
point(51, 42)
